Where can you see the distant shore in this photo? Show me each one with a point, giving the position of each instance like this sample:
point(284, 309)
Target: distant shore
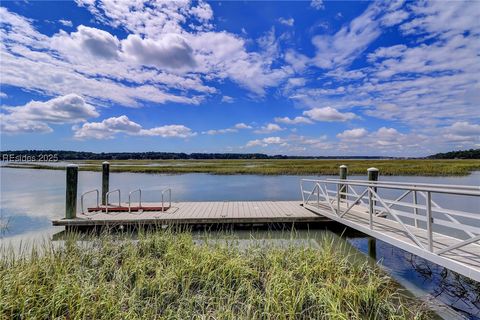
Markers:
point(410, 167)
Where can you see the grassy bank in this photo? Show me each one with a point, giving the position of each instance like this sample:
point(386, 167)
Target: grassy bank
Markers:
point(166, 275)
point(281, 167)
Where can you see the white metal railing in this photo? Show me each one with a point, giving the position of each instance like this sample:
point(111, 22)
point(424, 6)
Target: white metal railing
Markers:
point(107, 195)
point(139, 199)
point(83, 196)
point(364, 196)
point(169, 198)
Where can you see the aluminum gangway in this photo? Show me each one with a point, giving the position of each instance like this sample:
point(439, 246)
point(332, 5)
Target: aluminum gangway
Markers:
point(406, 215)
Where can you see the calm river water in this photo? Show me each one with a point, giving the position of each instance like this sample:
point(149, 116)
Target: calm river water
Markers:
point(30, 199)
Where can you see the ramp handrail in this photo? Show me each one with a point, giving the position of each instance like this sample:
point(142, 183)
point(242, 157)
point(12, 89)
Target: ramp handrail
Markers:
point(344, 199)
point(107, 196)
point(139, 199)
point(87, 192)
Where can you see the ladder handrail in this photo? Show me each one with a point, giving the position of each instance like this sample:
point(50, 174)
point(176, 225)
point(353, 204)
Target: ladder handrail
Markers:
point(139, 199)
point(169, 190)
point(107, 196)
point(87, 192)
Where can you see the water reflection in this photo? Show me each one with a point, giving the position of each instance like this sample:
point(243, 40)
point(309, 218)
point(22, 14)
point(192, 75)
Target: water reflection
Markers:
point(30, 199)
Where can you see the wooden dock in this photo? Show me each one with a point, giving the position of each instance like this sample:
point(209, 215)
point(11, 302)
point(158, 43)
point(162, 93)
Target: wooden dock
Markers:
point(201, 213)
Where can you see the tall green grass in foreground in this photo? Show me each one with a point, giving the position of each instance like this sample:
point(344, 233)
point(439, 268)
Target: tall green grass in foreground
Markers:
point(167, 275)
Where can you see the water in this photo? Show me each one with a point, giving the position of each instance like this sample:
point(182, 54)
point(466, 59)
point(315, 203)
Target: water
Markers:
point(30, 199)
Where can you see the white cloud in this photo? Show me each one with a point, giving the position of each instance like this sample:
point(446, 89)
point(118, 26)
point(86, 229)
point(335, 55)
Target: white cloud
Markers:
point(66, 23)
point(170, 51)
point(345, 45)
point(288, 22)
point(108, 128)
point(35, 115)
point(328, 114)
point(353, 134)
point(269, 128)
point(296, 120)
point(235, 128)
point(228, 99)
point(265, 142)
point(242, 125)
point(96, 42)
point(317, 4)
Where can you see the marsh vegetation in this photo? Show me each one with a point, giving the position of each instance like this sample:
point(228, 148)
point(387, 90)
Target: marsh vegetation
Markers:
point(418, 167)
point(169, 275)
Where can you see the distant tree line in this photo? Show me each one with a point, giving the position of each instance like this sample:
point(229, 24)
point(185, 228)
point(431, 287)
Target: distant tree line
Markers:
point(81, 155)
point(462, 154)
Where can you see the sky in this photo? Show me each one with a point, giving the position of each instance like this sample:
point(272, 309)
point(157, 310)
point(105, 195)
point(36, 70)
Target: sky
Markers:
point(312, 78)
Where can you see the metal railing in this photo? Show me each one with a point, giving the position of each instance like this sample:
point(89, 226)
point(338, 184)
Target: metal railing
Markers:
point(87, 192)
point(107, 195)
point(139, 199)
point(364, 196)
point(169, 198)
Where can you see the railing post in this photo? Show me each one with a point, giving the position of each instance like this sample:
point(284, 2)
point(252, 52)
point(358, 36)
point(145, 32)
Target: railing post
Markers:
point(105, 181)
point(71, 194)
point(372, 176)
point(429, 221)
point(343, 176)
point(415, 210)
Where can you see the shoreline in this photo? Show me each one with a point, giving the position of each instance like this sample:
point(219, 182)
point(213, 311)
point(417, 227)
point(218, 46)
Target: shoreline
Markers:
point(271, 167)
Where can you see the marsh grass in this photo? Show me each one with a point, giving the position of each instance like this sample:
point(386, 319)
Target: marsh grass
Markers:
point(417, 167)
point(168, 275)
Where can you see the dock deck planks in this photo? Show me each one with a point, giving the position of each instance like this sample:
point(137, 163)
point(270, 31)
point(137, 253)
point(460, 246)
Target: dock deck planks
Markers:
point(213, 212)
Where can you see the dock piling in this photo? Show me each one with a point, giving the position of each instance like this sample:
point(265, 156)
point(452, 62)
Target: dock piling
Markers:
point(105, 181)
point(71, 193)
point(372, 176)
point(343, 175)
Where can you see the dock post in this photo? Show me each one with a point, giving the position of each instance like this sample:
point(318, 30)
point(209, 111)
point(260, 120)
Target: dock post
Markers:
point(343, 176)
point(372, 248)
point(105, 181)
point(372, 176)
point(71, 194)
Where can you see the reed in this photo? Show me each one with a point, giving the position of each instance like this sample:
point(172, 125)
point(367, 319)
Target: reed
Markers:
point(168, 275)
point(415, 167)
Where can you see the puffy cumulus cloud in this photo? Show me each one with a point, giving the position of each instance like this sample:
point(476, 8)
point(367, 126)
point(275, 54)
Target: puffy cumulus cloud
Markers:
point(266, 142)
point(462, 131)
point(269, 128)
point(12, 126)
point(108, 128)
point(169, 131)
point(353, 134)
point(288, 22)
point(96, 42)
point(35, 115)
point(328, 114)
point(296, 120)
point(170, 51)
point(58, 65)
point(235, 128)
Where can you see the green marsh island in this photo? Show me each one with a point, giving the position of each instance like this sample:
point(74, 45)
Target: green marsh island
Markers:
point(412, 167)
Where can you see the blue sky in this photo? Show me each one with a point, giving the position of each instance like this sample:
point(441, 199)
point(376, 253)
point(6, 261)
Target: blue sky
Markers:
point(291, 77)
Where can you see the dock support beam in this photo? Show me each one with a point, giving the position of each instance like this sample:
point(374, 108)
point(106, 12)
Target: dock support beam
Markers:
point(71, 195)
point(372, 176)
point(105, 181)
point(343, 175)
